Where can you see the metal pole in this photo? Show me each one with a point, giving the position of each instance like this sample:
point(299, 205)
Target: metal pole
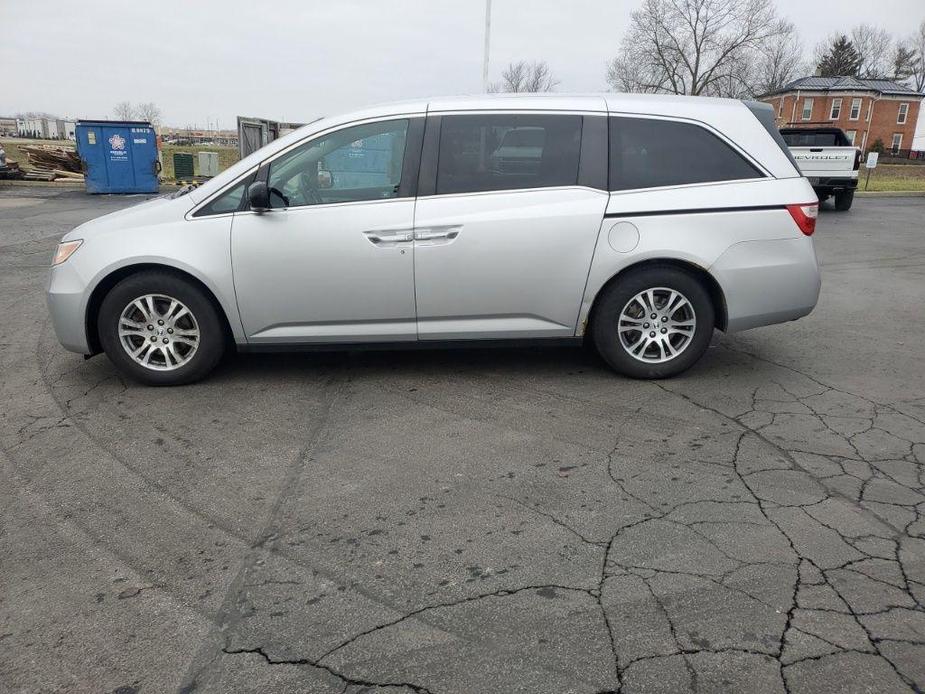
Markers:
point(487, 44)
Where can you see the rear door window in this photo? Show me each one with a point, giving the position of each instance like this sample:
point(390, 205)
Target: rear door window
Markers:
point(650, 153)
point(484, 152)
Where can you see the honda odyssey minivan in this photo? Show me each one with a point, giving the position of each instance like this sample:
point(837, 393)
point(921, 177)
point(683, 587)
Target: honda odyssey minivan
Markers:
point(640, 222)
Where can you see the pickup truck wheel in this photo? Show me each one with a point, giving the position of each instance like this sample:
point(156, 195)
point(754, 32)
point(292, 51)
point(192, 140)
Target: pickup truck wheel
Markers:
point(160, 329)
point(653, 323)
point(843, 200)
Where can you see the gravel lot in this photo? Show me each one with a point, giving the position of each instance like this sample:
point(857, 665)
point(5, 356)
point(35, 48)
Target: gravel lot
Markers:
point(473, 521)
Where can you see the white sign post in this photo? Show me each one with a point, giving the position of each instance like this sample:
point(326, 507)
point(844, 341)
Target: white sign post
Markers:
point(870, 164)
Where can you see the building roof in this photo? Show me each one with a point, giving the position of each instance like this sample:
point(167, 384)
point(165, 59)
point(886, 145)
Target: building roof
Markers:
point(846, 84)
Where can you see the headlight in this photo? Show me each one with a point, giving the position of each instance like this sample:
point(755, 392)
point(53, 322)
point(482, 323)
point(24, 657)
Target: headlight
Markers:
point(65, 250)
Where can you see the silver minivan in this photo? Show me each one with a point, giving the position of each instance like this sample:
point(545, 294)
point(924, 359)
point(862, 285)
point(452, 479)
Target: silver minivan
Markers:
point(640, 222)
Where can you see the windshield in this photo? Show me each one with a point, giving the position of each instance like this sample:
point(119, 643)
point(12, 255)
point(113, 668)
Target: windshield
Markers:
point(524, 137)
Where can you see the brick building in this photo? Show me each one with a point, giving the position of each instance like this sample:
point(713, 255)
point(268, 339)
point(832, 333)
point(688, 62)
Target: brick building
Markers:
point(865, 109)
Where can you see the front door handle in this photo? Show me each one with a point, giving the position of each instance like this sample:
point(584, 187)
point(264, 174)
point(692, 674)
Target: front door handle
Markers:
point(386, 238)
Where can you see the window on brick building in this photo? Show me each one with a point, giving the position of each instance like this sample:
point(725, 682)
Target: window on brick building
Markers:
point(855, 109)
point(903, 113)
point(836, 109)
point(852, 134)
point(807, 108)
point(897, 142)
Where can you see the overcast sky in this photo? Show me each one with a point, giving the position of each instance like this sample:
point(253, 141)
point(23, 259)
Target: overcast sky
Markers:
point(293, 60)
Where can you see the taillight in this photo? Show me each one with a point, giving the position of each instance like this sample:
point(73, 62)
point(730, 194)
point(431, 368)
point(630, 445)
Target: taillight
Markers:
point(805, 216)
point(857, 159)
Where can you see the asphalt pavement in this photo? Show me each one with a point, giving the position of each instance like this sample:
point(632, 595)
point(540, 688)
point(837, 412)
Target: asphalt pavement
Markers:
point(473, 521)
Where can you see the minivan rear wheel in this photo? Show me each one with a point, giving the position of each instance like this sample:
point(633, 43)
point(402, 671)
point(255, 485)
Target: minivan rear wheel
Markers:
point(160, 329)
point(654, 322)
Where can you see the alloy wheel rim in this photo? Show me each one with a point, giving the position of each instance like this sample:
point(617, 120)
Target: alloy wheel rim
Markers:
point(158, 332)
point(657, 325)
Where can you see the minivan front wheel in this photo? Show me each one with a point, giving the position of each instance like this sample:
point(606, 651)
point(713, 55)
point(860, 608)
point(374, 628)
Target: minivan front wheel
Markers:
point(653, 323)
point(160, 329)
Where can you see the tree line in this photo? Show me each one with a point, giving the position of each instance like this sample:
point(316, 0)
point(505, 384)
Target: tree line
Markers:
point(733, 48)
point(149, 111)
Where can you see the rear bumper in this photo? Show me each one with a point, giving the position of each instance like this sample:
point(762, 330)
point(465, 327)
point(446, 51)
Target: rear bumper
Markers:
point(828, 185)
point(767, 282)
point(67, 304)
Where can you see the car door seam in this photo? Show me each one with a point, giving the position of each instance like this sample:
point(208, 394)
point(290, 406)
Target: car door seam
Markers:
point(234, 285)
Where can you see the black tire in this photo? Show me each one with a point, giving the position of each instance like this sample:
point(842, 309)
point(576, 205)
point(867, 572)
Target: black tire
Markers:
point(211, 340)
point(610, 306)
point(843, 200)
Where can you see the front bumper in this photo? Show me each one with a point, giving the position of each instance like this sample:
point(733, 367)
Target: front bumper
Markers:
point(767, 282)
point(67, 297)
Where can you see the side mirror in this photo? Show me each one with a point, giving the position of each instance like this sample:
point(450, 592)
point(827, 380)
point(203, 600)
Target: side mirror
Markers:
point(258, 196)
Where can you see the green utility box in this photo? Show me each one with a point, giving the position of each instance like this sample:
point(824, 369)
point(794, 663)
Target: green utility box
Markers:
point(183, 166)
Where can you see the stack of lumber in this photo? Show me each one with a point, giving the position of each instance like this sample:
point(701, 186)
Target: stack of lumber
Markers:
point(36, 175)
point(51, 163)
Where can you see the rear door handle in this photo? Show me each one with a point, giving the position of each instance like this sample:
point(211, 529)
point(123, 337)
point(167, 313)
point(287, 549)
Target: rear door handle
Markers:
point(438, 233)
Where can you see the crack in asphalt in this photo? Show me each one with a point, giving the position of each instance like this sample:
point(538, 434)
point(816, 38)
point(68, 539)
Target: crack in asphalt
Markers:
point(348, 681)
point(503, 592)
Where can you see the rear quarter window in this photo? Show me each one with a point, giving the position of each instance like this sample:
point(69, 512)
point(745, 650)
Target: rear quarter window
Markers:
point(650, 153)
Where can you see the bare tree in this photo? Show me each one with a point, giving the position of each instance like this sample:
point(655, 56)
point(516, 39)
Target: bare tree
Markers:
point(35, 114)
point(525, 77)
point(874, 47)
point(779, 62)
point(512, 80)
point(917, 44)
point(124, 111)
point(540, 78)
point(903, 62)
point(709, 47)
point(149, 111)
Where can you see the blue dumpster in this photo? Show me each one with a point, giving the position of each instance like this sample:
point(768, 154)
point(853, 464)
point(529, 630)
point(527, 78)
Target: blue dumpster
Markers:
point(118, 156)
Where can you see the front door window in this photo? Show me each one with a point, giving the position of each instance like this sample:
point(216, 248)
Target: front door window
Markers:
point(350, 165)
